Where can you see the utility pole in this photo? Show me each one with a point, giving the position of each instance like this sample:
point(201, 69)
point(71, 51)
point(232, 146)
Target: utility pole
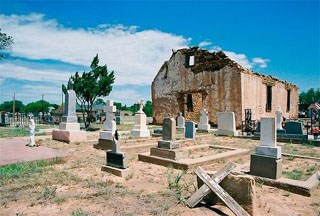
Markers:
point(14, 107)
point(42, 106)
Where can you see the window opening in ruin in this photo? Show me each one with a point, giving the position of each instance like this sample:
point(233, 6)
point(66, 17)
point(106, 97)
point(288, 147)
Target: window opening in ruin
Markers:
point(269, 99)
point(166, 73)
point(189, 103)
point(288, 99)
point(189, 61)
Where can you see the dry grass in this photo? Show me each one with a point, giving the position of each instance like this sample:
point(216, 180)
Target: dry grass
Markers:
point(78, 187)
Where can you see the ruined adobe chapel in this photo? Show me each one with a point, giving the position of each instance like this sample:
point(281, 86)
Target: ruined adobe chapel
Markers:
point(193, 79)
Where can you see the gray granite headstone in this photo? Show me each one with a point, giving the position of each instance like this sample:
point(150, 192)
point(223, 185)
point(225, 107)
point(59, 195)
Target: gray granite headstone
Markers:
point(190, 130)
point(293, 127)
point(169, 129)
point(118, 118)
point(70, 107)
point(258, 127)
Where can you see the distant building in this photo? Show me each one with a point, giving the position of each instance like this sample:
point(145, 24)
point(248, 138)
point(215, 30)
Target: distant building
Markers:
point(193, 79)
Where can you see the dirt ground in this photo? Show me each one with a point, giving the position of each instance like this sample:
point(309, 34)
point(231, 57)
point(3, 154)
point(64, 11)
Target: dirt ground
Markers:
point(79, 187)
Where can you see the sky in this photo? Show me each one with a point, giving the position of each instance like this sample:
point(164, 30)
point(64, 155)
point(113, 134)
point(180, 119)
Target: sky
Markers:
point(55, 39)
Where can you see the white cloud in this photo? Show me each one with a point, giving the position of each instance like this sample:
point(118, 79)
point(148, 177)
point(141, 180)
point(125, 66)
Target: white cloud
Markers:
point(242, 59)
point(204, 43)
point(136, 56)
point(262, 63)
point(127, 96)
point(10, 70)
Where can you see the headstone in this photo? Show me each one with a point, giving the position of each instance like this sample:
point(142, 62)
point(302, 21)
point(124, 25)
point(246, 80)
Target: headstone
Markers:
point(109, 128)
point(180, 121)
point(116, 162)
point(266, 161)
point(118, 117)
point(169, 129)
point(204, 121)
point(69, 114)
point(110, 110)
point(226, 124)
point(40, 116)
point(115, 158)
point(69, 118)
point(69, 128)
point(268, 139)
point(190, 131)
point(279, 118)
point(294, 127)
point(140, 128)
point(168, 134)
point(32, 128)
point(248, 123)
point(4, 121)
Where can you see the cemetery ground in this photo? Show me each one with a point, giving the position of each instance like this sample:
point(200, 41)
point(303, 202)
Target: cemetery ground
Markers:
point(77, 186)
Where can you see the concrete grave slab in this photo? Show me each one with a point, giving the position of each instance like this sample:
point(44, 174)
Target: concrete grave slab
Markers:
point(14, 150)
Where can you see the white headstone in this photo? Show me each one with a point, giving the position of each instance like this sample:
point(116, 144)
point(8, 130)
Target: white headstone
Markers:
point(226, 123)
point(140, 128)
point(180, 121)
point(109, 124)
point(268, 139)
point(279, 116)
point(268, 134)
point(70, 107)
point(32, 132)
point(204, 121)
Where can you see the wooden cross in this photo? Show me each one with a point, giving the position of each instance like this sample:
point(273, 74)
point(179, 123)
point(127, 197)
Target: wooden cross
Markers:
point(212, 184)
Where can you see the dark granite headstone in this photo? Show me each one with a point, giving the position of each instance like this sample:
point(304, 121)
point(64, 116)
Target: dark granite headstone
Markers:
point(115, 159)
point(190, 131)
point(293, 127)
point(118, 118)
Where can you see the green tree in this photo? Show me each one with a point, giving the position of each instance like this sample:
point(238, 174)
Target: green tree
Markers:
point(134, 108)
point(99, 101)
point(91, 85)
point(309, 97)
point(6, 42)
point(118, 105)
point(38, 106)
point(148, 109)
point(8, 106)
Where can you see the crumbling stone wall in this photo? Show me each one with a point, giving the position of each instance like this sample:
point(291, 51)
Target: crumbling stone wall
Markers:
point(217, 91)
point(254, 94)
point(216, 83)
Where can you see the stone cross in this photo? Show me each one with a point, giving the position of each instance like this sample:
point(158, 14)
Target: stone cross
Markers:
point(32, 129)
point(70, 107)
point(109, 124)
point(279, 116)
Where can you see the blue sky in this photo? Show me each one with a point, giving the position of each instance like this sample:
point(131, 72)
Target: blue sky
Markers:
point(54, 39)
